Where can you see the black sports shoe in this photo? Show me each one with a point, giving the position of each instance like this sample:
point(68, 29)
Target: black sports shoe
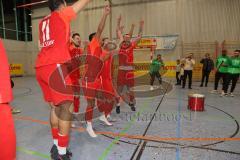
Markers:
point(118, 110)
point(69, 153)
point(54, 152)
point(133, 108)
point(64, 157)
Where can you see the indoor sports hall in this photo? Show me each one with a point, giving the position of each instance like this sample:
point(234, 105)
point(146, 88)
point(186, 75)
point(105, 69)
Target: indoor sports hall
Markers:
point(119, 80)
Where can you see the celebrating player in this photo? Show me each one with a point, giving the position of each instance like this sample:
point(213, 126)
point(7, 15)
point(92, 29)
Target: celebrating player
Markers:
point(7, 132)
point(109, 99)
point(91, 80)
point(125, 71)
point(75, 52)
point(54, 31)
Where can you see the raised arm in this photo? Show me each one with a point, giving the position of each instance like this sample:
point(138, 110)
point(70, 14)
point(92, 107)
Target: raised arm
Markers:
point(120, 35)
point(140, 32)
point(119, 29)
point(118, 25)
point(131, 30)
point(102, 23)
point(79, 5)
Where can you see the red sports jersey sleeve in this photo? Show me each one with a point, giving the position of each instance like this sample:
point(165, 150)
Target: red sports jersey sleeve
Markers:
point(134, 44)
point(68, 14)
point(95, 47)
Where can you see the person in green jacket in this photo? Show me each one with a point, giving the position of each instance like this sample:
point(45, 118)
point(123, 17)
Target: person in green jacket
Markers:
point(222, 64)
point(155, 66)
point(234, 71)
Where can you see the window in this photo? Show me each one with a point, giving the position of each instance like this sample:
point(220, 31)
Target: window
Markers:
point(9, 19)
point(1, 21)
point(15, 23)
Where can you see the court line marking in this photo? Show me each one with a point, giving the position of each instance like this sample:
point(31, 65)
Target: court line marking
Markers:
point(155, 138)
point(121, 135)
point(182, 146)
point(137, 154)
point(116, 139)
point(178, 129)
point(34, 153)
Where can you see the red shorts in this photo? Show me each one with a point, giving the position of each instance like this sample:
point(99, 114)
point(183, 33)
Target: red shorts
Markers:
point(75, 82)
point(125, 78)
point(90, 89)
point(53, 87)
point(107, 86)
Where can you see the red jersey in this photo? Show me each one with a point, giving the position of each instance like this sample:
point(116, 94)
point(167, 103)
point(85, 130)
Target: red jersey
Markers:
point(126, 53)
point(106, 71)
point(75, 53)
point(94, 64)
point(54, 33)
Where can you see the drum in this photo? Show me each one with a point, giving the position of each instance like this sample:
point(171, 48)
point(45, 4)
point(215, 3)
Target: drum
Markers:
point(196, 102)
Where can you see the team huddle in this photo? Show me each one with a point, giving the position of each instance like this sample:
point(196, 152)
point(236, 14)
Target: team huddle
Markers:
point(54, 78)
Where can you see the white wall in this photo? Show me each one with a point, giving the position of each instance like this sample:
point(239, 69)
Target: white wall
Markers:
point(193, 20)
point(22, 53)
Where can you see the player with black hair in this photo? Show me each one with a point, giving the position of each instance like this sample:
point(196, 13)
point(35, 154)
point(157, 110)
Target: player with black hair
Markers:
point(7, 131)
point(54, 31)
point(126, 69)
point(91, 82)
point(76, 51)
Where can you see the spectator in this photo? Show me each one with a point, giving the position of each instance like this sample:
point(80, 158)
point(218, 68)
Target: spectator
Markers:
point(189, 62)
point(208, 66)
point(181, 74)
point(178, 68)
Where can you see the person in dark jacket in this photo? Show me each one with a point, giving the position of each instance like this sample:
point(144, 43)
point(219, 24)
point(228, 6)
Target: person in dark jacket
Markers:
point(208, 66)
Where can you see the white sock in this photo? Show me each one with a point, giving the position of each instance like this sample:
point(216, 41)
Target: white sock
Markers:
point(90, 130)
point(55, 141)
point(62, 150)
point(104, 119)
point(89, 124)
